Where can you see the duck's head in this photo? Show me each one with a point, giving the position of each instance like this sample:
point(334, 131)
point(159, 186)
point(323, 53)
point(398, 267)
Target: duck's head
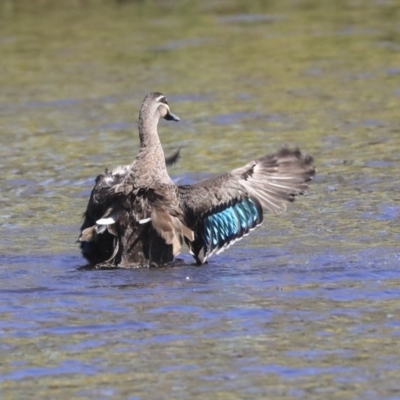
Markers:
point(156, 103)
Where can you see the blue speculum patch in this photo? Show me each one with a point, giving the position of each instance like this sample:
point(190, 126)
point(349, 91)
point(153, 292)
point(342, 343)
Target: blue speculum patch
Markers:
point(229, 224)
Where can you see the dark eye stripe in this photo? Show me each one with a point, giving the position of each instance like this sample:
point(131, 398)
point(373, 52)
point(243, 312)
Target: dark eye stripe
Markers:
point(163, 100)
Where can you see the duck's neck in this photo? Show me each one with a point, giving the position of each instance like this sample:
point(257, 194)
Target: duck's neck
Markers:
point(151, 154)
point(148, 132)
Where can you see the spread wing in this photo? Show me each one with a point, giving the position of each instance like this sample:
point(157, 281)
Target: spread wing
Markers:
point(223, 209)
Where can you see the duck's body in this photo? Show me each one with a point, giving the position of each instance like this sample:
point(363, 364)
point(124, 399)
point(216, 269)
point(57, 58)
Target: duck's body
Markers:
point(139, 217)
point(99, 248)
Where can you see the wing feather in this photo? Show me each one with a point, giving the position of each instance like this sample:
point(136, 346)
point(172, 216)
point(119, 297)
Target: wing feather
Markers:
point(237, 199)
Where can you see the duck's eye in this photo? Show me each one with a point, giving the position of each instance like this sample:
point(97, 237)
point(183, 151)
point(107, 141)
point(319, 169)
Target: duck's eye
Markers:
point(163, 100)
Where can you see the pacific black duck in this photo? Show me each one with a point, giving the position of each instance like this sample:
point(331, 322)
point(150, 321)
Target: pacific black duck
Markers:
point(137, 216)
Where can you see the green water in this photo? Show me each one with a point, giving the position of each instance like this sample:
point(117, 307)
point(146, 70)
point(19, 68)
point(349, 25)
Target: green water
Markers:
point(307, 306)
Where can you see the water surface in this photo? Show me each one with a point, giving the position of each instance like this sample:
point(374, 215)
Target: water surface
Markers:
point(307, 306)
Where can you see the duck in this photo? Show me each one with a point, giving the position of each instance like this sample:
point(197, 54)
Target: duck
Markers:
point(138, 217)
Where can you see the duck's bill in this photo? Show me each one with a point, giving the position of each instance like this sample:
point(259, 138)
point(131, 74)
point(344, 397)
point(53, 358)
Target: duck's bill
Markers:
point(171, 117)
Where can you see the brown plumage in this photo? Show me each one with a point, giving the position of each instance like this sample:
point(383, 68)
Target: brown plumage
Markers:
point(142, 218)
